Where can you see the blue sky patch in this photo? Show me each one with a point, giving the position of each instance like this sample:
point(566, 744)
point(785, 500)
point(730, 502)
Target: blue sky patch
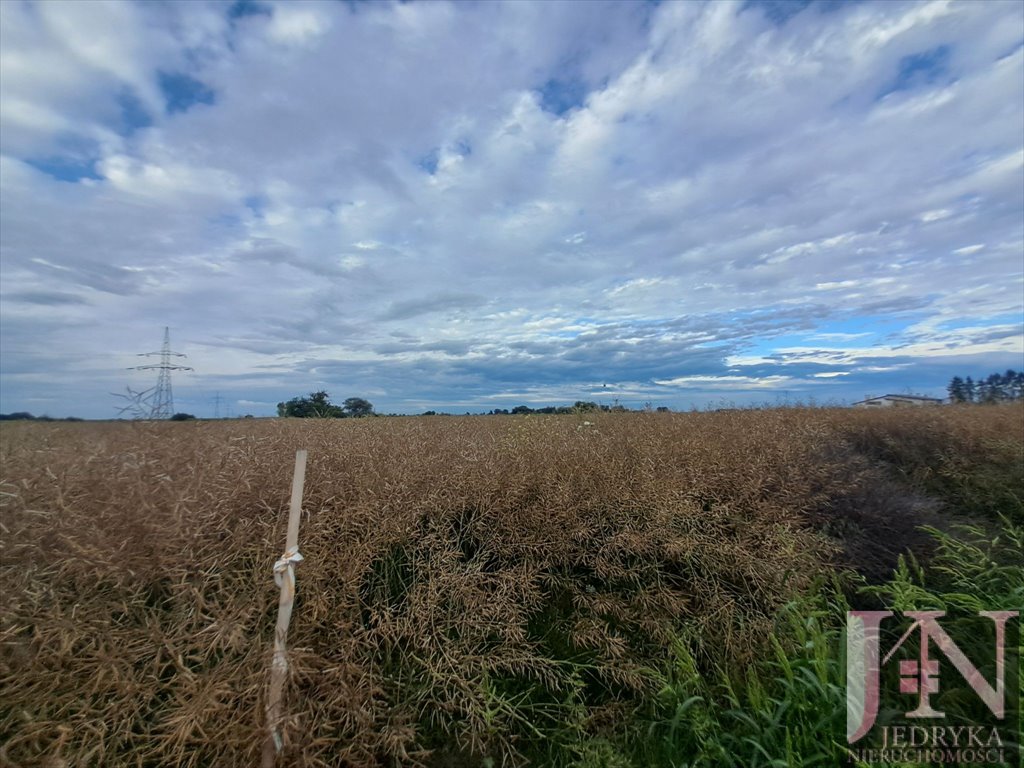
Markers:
point(357, 5)
point(243, 8)
point(182, 92)
point(923, 68)
point(840, 334)
point(133, 115)
point(255, 203)
point(71, 169)
point(952, 325)
point(429, 161)
point(781, 11)
point(778, 11)
point(560, 95)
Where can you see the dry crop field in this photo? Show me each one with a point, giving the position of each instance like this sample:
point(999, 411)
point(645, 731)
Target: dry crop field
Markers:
point(475, 590)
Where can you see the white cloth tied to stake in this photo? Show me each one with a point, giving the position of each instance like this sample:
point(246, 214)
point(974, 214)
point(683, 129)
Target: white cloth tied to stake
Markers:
point(282, 566)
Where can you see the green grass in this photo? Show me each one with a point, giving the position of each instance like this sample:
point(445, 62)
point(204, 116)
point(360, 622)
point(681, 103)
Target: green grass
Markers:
point(789, 709)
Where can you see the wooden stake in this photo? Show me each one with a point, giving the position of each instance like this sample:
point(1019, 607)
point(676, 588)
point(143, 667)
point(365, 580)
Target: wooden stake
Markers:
point(284, 575)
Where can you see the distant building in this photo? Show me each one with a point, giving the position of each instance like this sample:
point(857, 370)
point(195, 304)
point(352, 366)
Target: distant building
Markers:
point(897, 401)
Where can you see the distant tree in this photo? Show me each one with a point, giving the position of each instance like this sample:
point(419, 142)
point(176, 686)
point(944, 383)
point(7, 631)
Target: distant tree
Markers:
point(321, 406)
point(317, 406)
point(989, 389)
point(522, 409)
point(581, 406)
point(1017, 385)
point(357, 407)
point(1013, 385)
point(957, 390)
point(18, 416)
point(662, 409)
point(994, 388)
point(183, 417)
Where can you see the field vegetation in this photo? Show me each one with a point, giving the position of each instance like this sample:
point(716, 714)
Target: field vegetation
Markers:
point(640, 589)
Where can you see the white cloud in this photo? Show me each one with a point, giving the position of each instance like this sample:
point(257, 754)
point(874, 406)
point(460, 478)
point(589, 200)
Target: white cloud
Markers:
point(961, 342)
point(633, 286)
point(967, 250)
point(295, 24)
point(728, 382)
point(840, 336)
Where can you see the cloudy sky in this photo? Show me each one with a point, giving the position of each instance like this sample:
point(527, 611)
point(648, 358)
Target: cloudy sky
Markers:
point(461, 206)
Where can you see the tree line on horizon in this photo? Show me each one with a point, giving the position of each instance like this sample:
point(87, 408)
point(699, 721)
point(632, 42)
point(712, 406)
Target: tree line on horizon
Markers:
point(26, 416)
point(318, 405)
point(580, 406)
point(996, 388)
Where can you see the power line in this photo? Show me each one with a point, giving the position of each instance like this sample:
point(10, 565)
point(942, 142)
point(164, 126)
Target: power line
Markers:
point(158, 402)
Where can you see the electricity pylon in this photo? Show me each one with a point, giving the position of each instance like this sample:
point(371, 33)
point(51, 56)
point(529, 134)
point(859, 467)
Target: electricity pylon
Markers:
point(160, 399)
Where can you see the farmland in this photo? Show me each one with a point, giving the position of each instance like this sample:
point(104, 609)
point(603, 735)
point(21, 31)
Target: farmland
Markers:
point(476, 591)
